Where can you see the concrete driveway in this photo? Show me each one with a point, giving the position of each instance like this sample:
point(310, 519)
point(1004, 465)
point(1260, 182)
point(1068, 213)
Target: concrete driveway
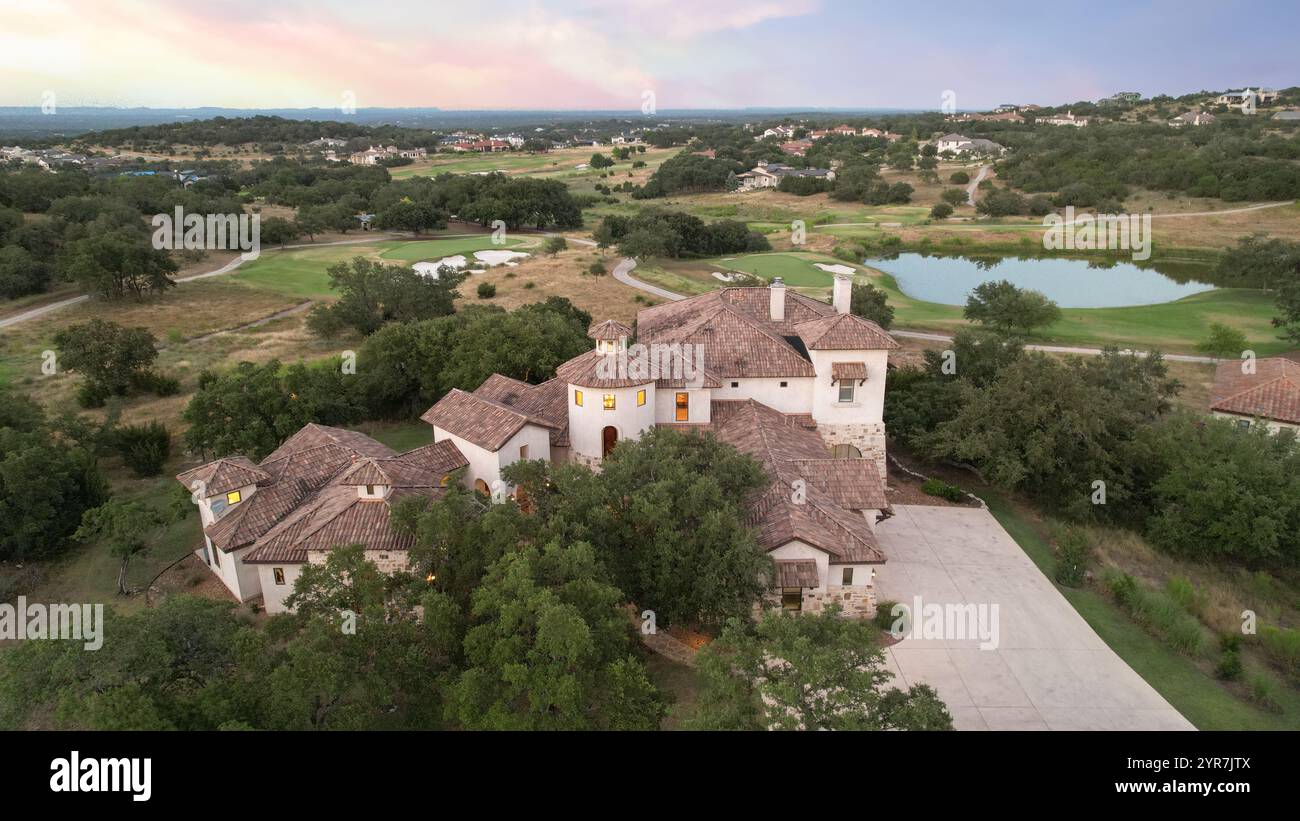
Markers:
point(1049, 671)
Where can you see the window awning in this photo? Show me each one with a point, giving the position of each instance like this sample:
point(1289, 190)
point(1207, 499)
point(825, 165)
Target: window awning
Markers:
point(847, 371)
point(796, 573)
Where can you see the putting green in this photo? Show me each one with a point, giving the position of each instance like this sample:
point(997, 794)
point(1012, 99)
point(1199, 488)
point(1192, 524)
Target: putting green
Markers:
point(302, 272)
point(797, 269)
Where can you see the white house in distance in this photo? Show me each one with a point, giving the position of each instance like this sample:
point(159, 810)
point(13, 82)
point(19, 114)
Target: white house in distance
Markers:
point(1193, 118)
point(796, 383)
point(1271, 393)
point(769, 175)
point(959, 144)
point(1067, 118)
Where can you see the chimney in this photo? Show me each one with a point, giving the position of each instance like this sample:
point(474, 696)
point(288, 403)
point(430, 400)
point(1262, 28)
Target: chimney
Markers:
point(776, 293)
point(842, 293)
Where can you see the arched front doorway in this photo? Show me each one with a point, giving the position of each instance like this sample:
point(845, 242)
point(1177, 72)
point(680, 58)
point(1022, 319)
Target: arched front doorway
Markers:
point(608, 438)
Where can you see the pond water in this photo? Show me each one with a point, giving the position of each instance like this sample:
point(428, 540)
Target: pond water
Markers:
point(1071, 283)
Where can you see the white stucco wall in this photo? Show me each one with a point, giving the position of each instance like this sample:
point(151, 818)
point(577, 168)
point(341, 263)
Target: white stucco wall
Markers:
point(868, 406)
point(795, 397)
point(586, 422)
point(273, 595)
point(239, 578)
point(538, 441)
point(1273, 425)
point(700, 406)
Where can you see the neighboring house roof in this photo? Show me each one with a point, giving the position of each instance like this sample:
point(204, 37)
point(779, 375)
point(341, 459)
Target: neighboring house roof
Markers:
point(479, 420)
point(224, 475)
point(1271, 392)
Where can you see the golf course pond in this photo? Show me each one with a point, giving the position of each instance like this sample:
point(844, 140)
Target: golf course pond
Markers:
point(1071, 283)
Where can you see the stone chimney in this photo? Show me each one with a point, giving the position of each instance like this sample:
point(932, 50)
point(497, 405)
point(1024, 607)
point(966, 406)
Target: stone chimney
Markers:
point(842, 295)
point(776, 292)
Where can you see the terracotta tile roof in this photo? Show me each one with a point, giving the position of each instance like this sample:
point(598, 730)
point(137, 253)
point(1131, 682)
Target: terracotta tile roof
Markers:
point(848, 371)
point(423, 467)
point(844, 332)
point(1272, 392)
point(335, 517)
point(547, 401)
point(796, 573)
point(853, 484)
point(247, 521)
point(817, 522)
point(224, 475)
point(609, 331)
point(597, 370)
point(736, 345)
point(754, 303)
point(480, 420)
point(313, 435)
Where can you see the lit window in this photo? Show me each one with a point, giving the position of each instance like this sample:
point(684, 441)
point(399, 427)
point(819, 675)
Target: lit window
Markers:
point(233, 497)
point(846, 391)
point(848, 576)
point(683, 407)
point(523, 452)
point(279, 575)
point(609, 401)
point(446, 480)
point(577, 398)
point(640, 398)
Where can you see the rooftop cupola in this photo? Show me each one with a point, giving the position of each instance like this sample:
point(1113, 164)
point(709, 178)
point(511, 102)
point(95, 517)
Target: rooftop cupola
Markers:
point(611, 337)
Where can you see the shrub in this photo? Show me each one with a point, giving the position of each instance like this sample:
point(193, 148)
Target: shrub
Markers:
point(1229, 666)
point(1282, 646)
point(528, 286)
point(1159, 614)
point(486, 290)
point(959, 178)
point(884, 618)
point(144, 448)
point(156, 383)
point(597, 268)
point(940, 488)
point(1188, 597)
point(941, 210)
point(1073, 556)
point(1260, 693)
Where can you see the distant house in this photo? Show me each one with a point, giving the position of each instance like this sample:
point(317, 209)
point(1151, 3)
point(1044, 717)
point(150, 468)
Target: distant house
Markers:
point(876, 132)
point(1122, 97)
point(325, 142)
point(796, 148)
point(1193, 118)
point(1067, 118)
point(959, 144)
point(482, 146)
point(1270, 394)
point(1001, 116)
point(781, 132)
point(1242, 99)
point(769, 175)
point(372, 155)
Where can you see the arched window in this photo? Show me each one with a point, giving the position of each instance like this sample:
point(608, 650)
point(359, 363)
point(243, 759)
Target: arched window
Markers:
point(846, 452)
point(481, 487)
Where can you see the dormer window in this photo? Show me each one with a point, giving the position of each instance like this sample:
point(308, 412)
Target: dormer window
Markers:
point(372, 491)
point(606, 346)
point(233, 497)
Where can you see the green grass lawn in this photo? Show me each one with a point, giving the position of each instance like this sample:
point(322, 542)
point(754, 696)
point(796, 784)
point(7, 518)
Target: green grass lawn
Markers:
point(796, 268)
point(1199, 697)
point(301, 272)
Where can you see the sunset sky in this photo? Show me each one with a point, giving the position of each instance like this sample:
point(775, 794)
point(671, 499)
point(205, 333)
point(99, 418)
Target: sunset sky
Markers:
point(605, 55)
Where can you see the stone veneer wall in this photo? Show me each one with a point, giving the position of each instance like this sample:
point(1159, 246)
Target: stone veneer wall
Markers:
point(388, 561)
point(855, 601)
point(869, 438)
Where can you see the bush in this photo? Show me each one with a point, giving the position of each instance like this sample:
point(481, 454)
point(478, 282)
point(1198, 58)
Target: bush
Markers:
point(1229, 666)
point(940, 488)
point(144, 448)
point(1282, 646)
point(1187, 596)
point(486, 290)
point(156, 383)
point(959, 178)
point(1159, 614)
point(1073, 555)
point(884, 618)
point(1260, 693)
point(941, 211)
point(597, 268)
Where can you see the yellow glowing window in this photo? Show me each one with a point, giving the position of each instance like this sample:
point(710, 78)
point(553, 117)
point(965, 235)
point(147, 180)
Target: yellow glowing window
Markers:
point(640, 398)
point(233, 497)
point(683, 407)
point(609, 401)
point(577, 398)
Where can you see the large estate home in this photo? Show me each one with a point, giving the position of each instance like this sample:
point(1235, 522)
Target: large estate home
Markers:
point(796, 383)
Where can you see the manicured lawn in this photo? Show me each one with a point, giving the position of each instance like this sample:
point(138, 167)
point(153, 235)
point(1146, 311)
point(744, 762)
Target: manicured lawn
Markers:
point(1199, 697)
point(796, 268)
point(1172, 327)
point(301, 272)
